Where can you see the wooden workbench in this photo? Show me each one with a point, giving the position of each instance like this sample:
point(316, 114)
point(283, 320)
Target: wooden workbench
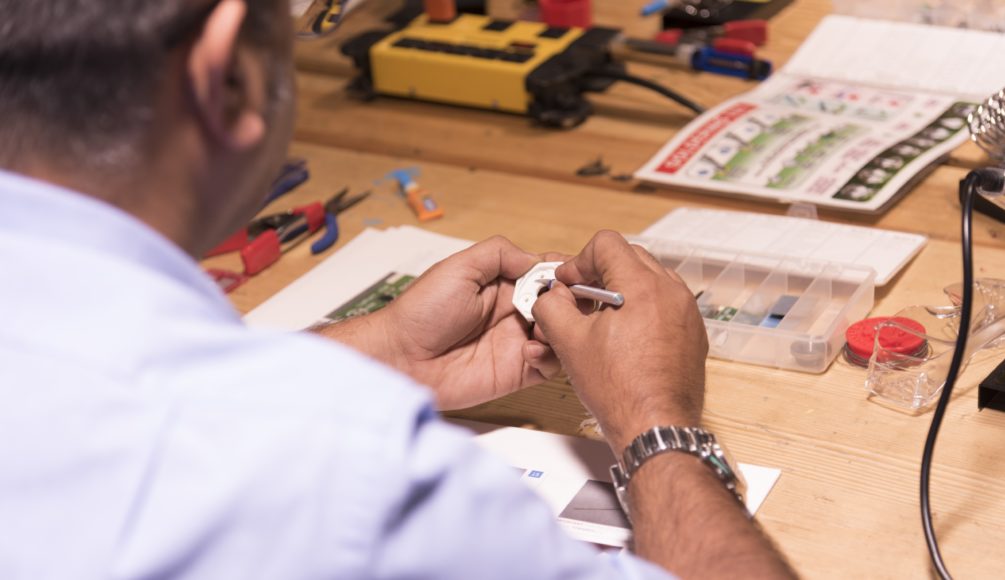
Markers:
point(846, 504)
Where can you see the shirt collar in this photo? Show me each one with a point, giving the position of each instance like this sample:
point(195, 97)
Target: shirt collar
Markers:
point(37, 209)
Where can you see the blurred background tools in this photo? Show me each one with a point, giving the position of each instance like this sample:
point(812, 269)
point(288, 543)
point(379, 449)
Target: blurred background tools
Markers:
point(729, 49)
point(528, 68)
point(420, 200)
point(335, 206)
point(293, 174)
point(266, 239)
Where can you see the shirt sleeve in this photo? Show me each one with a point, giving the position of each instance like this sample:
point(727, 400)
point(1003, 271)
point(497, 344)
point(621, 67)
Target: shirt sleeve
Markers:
point(465, 514)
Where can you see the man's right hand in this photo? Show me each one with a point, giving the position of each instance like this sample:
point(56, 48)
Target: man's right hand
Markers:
point(642, 365)
point(638, 365)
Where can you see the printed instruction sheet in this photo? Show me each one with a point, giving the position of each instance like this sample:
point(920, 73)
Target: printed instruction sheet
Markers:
point(861, 112)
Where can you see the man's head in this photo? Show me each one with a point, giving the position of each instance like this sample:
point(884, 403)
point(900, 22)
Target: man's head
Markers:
point(127, 100)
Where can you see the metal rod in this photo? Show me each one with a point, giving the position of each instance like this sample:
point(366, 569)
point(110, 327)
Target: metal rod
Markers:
point(598, 294)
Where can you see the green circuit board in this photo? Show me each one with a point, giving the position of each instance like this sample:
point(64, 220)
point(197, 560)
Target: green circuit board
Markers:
point(373, 298)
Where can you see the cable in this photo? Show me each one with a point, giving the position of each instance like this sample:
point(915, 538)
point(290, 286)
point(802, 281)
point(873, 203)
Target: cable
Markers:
point(991, 181)
point(646, 83)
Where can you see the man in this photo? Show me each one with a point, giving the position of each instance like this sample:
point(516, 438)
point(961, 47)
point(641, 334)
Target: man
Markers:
point(146, 433)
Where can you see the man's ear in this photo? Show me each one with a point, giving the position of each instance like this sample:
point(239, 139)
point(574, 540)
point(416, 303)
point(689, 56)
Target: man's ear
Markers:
point(226, 83)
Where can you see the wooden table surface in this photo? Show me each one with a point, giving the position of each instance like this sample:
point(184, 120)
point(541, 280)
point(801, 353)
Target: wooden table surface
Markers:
point(846, 504)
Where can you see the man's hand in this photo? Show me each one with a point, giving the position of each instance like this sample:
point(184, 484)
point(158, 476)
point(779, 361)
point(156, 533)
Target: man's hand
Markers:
point(456, 330)
point(636, 366)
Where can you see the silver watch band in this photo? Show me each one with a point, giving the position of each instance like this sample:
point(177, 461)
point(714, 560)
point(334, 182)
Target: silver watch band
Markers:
point(661, 439)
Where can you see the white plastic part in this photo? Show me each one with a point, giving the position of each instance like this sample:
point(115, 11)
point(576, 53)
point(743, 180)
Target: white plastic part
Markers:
point(530, 286)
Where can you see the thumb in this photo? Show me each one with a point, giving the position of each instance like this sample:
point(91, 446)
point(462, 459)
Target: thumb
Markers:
point(558, 316)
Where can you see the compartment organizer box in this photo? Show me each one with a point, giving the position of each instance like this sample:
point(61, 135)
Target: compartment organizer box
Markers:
point(782, 312)
point(778, 291)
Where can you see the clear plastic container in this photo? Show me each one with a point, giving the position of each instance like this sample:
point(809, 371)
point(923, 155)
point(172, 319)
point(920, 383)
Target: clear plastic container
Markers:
point(770, 310)
point(914, 380)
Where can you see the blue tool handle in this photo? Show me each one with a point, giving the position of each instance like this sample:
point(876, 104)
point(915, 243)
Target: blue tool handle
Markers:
point(330, 237)
point(287, 183)
point(725, 63)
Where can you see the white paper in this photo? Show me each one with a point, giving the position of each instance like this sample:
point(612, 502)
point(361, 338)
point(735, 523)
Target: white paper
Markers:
point(903, 55)
point(572, 475)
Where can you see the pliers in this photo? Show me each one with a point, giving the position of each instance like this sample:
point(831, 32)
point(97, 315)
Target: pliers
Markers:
point(265, 239)
point(335, 205)
point(735, 37)
point(293, 173)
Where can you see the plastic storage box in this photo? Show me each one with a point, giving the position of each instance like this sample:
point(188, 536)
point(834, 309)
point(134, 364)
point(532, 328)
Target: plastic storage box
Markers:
point(769, 310)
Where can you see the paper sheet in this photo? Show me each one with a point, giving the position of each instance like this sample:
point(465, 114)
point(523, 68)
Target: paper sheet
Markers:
point(571, 475)
point(902, 55)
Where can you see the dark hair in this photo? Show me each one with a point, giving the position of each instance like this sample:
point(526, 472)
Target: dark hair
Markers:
point(78, 78)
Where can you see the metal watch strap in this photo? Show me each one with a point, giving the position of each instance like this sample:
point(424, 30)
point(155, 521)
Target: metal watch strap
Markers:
point(661, 439)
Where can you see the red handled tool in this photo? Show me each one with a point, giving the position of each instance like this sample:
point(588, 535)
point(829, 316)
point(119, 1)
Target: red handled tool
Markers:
point(271, 236)
point(266, 239)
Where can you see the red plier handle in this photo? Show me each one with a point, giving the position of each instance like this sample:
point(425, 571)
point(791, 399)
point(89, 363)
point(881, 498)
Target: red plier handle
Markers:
point(267, 247)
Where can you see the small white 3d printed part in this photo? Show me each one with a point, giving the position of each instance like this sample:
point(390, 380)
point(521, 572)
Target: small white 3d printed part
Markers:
point(530, 285)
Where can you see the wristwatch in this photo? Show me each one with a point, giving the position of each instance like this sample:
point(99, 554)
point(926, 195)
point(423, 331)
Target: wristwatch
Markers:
point(693, 440)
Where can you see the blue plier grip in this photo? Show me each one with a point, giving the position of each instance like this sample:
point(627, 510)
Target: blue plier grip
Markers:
point(330, 237)
point(293, 176)
point(735, 65)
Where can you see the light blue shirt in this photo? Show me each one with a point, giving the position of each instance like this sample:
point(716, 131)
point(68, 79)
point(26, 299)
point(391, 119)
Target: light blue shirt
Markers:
point(145, 432)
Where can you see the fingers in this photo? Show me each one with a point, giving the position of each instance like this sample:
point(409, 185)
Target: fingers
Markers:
point(648, 259)
point(557, 315)
point(493, 258)
point(654, 264)
point(537, 334)
point(542, 359)
point(607, 259)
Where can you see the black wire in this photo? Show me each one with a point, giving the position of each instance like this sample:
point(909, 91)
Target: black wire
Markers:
point(968, 188)
point(653, 86)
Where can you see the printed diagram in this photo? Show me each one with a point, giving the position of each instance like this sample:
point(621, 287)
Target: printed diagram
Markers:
point(842, 100)
point(774, 151)
point(783, 152)
point(812, 155)
point(871, 178)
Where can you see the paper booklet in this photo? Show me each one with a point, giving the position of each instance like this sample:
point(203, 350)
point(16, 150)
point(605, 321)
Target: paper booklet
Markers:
point(863, 110)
